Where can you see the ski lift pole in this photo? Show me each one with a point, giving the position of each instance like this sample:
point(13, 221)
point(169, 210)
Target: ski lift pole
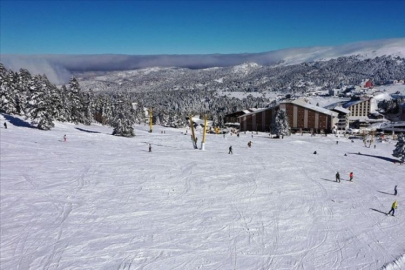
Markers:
point(204, 133)
point(150, 119)
point(192, 132)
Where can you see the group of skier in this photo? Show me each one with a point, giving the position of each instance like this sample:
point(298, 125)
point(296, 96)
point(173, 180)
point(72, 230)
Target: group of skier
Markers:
point(338, 177)
point(394, 204)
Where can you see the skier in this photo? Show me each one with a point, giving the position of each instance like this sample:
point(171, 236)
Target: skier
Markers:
point(375, 146)
point(345, 155)
point(395, 190)
point(351, 176)
point(5, 125)
point(338, 177)
point(337, 142)
point(393, 207)
point(64, 138)
point(230, 150)
point(249, 144)
point(314, 152)
point(150, 148)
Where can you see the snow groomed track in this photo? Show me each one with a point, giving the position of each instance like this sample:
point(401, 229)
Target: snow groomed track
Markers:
point(104, 202)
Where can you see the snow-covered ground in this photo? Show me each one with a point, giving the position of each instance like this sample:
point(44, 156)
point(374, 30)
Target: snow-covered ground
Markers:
point(103, 202)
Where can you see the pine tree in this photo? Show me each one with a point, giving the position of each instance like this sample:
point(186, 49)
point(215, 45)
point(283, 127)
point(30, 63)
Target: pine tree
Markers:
point(64, 105)
point(39, 106)
point(399, 150)
point(9, 100)
point(124, 117)
point(76, 102)
point(88, 102)
point(280, 125)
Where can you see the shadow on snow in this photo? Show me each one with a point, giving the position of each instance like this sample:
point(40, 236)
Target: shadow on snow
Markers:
point(379, 211)
point(17, 121)
point(380, 157)
point(328, 180)
point(86, 130)
point(386, 193)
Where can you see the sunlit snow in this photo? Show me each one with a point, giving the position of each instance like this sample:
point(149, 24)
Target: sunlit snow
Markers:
point(103, 202)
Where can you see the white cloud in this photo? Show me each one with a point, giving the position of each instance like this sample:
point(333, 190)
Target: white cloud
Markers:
point(59, 68)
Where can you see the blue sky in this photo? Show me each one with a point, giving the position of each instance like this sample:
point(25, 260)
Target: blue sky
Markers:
point(192, 27)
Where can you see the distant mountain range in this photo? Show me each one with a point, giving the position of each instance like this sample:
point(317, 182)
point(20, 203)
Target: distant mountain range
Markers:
point(59, 68)
point(251, 77)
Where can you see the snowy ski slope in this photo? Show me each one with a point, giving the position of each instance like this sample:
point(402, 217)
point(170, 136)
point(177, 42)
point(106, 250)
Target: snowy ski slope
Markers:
point(104, 202)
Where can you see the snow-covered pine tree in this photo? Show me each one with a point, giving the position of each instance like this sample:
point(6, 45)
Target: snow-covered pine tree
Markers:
point(124, 117)
point(9, 98)
point(24, 82)
point(88, 102)
point(64, 111)
point(39, 106)
point(280, 125)
point(399, 150)
point(76, 102)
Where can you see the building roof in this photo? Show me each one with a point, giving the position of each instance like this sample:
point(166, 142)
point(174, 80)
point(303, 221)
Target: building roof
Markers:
point(302, 103)
point(298, 102)
point(255, 111)
point(341, 109)
point(353, 102)
point(241, 113)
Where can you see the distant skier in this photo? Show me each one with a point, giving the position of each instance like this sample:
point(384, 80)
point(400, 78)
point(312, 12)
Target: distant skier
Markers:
point(249, 144)
point(5, 125)
point(338, 177)
point(337, 142)
point(150, 148)
point(393, 207)
point(230, 150)
point(375, 146)
point(315, 153)
point(64, 138)
point(351, 176)
point(345, 155)
point(395, 190)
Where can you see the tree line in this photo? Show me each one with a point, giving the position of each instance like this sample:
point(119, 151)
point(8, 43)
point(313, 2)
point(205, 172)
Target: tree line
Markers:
point(40, 101)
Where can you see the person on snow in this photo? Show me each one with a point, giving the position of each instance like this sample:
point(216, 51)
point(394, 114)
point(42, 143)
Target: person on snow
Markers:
point(338, 177)
point(393, 207)
point(249, 144)
point(5, 125)
point(230, 150)
point(337, 142)
point(150, 148)
point(351, 176)
point(64, 138)
point(315, 153)
point(395, 190)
